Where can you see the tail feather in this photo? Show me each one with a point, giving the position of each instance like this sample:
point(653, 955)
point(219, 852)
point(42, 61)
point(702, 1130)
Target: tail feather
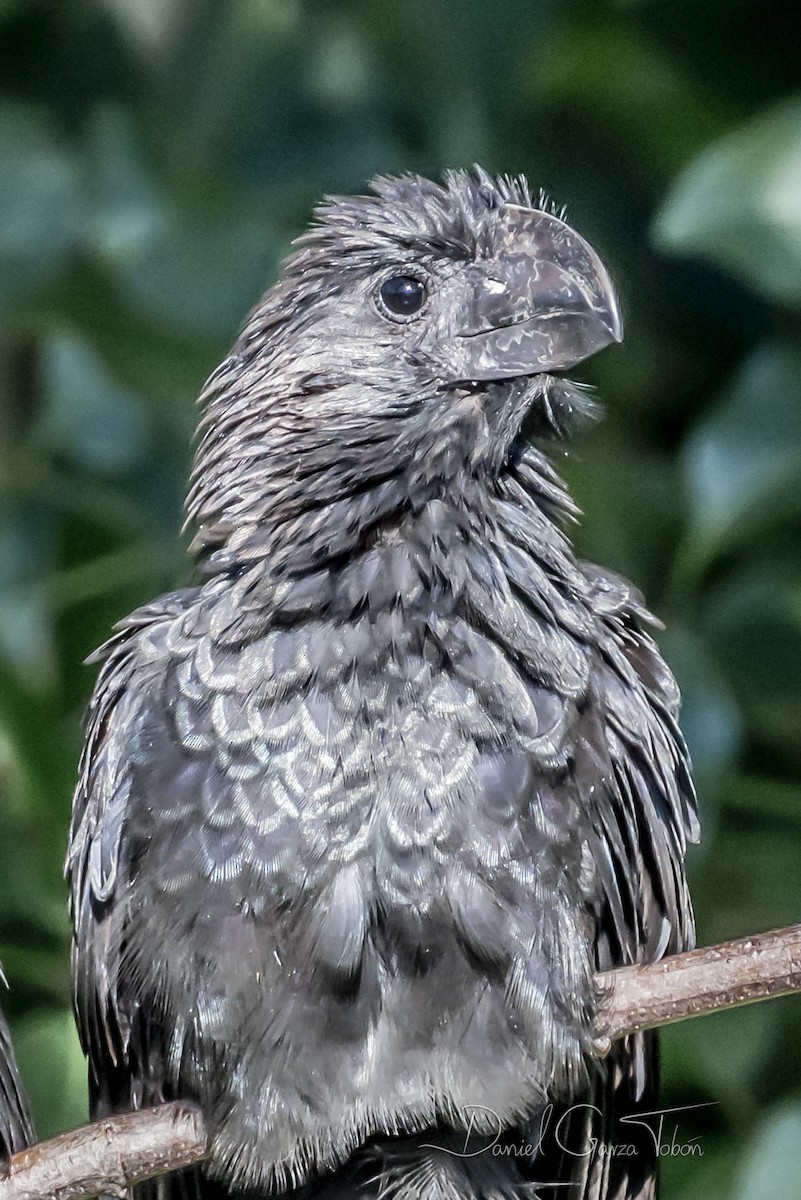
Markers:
point(16, 1126)
point(604, 1146)
point(593, 1148)
point(437, 1165)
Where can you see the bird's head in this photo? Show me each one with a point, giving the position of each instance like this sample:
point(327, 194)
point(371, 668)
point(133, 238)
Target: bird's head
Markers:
point(410, 335)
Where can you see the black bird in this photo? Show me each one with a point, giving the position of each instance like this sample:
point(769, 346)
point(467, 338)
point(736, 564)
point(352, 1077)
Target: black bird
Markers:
point(360, 814)
point(16, 1127)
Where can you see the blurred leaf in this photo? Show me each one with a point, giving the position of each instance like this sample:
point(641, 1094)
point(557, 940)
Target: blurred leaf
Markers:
point(150, 22)
point(53, 1068)
point(126, 209)
point(755, 621)
point(723, 1053)
point(86, 418)
point(634, 92)
point(36, 964)
point(739, 204)
point(767, 797)
point(27, 549)
point(166, 368)
point(151, 563)
point(632, 504)
point(772, 1169)
point(707, 1178)
point(710, 718)
point(42, 211)
point(41, 778)
point(749, 880)
point(85, 497)
point(341, 71)
point(743, 459)
point(201, 272)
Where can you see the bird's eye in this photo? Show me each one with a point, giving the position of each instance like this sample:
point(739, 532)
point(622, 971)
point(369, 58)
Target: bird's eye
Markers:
point(402, 296)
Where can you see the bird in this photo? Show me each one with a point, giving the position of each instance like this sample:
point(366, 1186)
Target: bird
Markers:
point(16, 1125)
point(362, 811)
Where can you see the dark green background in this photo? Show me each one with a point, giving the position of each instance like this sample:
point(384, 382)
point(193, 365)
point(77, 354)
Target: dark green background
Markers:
point(157, 156)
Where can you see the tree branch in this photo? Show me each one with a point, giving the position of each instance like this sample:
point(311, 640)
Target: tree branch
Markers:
point(111, 1155)
point(698, 982)
point(108, 1156)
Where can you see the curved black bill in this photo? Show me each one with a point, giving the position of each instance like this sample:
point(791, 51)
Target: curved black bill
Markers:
point(542, 302)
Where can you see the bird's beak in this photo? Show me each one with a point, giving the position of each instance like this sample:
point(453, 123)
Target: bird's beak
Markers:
point(543, 301)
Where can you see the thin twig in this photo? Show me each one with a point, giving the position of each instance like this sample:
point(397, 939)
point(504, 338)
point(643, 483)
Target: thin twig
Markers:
point(108, 1156)
point(698, 982)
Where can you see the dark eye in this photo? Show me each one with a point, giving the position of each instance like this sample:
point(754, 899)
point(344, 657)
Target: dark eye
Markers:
point(403, 295)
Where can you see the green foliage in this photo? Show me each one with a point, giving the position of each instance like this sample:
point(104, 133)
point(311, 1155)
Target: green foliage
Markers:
point(737, 203)
point(774, 1168)
point(155, 160)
